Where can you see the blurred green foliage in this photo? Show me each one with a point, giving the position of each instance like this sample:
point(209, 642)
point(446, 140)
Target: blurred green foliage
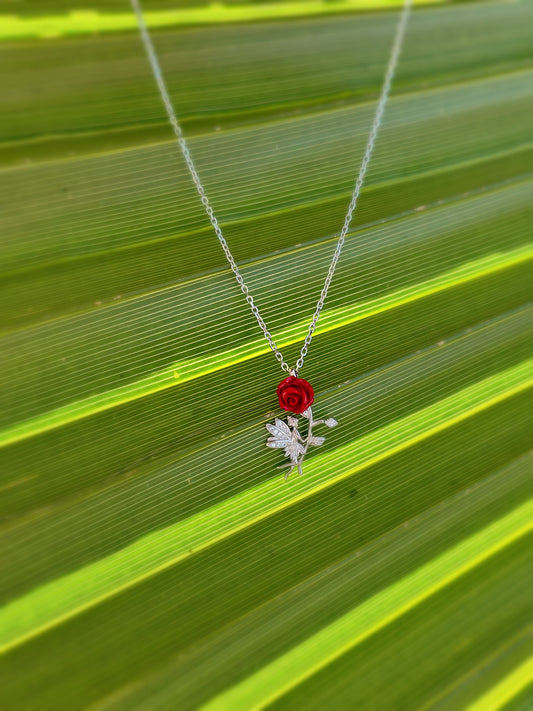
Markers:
point(152, 556)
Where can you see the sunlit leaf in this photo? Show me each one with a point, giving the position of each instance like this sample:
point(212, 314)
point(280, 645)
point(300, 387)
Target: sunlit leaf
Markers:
point(153, 557)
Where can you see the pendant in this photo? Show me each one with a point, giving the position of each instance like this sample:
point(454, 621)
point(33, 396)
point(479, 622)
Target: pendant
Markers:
point(295, 395)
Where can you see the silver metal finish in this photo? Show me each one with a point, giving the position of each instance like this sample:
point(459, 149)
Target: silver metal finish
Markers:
point(285, 435)
point(387, 81)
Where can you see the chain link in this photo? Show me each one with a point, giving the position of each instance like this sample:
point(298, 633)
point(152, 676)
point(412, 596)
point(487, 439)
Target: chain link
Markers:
point(387, 81)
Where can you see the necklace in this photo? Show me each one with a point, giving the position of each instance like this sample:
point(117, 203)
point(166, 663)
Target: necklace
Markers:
point(295, 394)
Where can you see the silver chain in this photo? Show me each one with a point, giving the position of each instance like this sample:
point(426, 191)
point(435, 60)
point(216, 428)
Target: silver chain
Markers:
point(387, 81)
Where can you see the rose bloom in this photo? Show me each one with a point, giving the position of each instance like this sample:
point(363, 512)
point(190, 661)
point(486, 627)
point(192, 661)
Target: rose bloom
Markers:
point(295, 394)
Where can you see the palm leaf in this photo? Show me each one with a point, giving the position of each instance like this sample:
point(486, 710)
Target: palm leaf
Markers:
point(152, 555)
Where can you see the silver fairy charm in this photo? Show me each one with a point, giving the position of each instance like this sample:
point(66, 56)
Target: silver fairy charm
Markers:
point(285, 435)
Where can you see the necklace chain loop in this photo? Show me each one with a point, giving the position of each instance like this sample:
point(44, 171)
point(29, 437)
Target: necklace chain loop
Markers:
point(384, 94)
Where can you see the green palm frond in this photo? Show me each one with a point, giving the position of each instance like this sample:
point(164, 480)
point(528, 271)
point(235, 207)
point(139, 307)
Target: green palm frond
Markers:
point(153, 558)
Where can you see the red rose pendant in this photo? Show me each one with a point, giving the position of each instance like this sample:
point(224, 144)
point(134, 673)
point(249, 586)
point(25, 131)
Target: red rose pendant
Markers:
point(295, 394)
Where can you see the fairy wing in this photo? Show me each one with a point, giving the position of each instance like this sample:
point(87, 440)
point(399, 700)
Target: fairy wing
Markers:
point(276, 443)
point(281, 435)
point(279, 429)
point(282, 438)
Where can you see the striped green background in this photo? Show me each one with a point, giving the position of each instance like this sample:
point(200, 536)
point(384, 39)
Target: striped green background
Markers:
point(152, 556)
